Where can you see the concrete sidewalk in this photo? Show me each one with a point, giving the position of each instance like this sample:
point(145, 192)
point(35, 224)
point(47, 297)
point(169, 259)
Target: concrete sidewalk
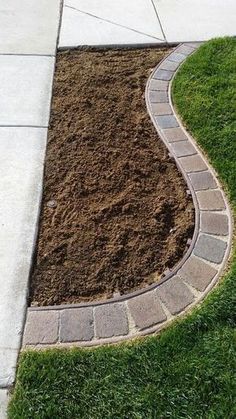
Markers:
point(143, 22)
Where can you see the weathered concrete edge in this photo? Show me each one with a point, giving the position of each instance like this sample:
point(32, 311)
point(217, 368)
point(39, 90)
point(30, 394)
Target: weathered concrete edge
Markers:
point(109, 319)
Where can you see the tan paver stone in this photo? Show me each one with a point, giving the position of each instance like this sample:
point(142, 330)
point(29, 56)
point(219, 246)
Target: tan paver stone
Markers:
point(197, 273)
point(174, 134)
point(76, 325)
point(193, 163)
point(213, 223)
point(41, 327)
point(146, 310)
point(110, 320)
point(175, 294)
point(210, 200)
point(202, 180)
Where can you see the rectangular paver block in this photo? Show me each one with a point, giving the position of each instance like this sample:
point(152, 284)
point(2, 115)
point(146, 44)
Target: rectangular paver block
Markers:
point(163, 74)
point(158, 96)
point(169, 65)
point(174, 134)
point(197, 273)
point(193, 163)
point(202, 180)
point(161, 109)
point(175, 56)
point(76, 324)
point(185, 49)
point(41, 327)
point(214, 223)
point(167, 121)
point(175, 294)
point(183, 148)
point(210, 200)
point(210, 248)
point(110, 320)
point(159, 85)
point(146, 310)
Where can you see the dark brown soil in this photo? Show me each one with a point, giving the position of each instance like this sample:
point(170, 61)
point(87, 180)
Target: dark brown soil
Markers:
point(115, 210)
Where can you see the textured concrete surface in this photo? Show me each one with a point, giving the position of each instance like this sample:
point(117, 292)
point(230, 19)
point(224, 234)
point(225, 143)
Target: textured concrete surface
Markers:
point(196, 20)
point(25, 89)
point(3, 403)
point(97, 23)
point(29, 26)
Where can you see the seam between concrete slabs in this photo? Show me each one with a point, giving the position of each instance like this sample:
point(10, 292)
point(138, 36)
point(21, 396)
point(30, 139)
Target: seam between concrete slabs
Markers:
point(174, 294)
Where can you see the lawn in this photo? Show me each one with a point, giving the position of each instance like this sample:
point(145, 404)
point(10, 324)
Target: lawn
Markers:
point(188, 370)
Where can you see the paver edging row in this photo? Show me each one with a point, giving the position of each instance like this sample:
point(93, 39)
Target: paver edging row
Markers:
point(152, 308)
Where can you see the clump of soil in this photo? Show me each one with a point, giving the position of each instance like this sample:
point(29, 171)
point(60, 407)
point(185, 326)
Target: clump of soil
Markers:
point(115, 210)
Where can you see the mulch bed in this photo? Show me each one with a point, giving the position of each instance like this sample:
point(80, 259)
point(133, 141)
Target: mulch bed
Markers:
point(115, 211)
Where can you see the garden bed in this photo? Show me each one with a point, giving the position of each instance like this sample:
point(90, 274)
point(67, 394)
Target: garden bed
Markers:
point(115, 211)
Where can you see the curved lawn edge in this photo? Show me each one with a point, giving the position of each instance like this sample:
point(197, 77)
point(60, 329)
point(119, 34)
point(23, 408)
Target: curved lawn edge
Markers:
point(153, 308)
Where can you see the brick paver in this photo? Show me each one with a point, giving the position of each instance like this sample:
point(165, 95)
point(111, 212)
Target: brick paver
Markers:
point(167, 121)
point(197, 273)
point(175, 295)
point(210, 200)
point(160, 85)
point(193, 163)
point(183, 148)
point(41, 327)
point(161, 109)
point(163, 75)
point(76, 325)
point(158, 96)
point(174, 134)
point(110, 320)
point(202, 180)
point(213, 223)
point(210, 248)
point(146, 310)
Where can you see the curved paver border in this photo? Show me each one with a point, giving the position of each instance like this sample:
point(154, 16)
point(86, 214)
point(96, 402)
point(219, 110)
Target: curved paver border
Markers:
point(152, 308)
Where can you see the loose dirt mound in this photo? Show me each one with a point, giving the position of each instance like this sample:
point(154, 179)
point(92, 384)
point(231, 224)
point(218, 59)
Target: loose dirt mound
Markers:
point(115, 209)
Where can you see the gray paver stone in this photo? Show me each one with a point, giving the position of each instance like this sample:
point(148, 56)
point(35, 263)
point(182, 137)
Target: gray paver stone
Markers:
point(202, 180)
point(175, 294)
point(210, 248)
point(146, 310)
point(193, 163)
point(163, 74)
point(210, 200)
point(197, 273)
point(41, 327)
point(175, 56)
point(76, 325)
point(185, 49)
point(174, 134)
point(213, 223)
point(169, 65)
point(161, 109)
point(158, 97)
point(167, 121)
point(110, 320)
point(161, 85)
point(183, 148)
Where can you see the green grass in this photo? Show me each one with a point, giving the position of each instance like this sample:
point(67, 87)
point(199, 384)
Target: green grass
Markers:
point(189, 370)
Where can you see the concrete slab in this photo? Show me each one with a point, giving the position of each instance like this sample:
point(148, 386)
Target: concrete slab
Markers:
point(8, 360)
point(3, 403)
point(25, 90)
point(93, 23)
point(29, 26)
point(196, 20)
point(21, 170)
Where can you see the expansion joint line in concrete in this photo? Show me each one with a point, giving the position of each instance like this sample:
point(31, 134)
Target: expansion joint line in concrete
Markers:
point(113, 23)
point(153, 308)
